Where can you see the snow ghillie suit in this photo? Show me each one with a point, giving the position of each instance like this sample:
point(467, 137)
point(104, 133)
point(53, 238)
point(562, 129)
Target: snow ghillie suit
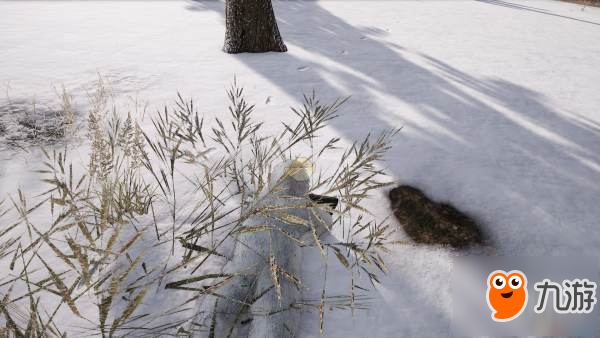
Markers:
point(260, 300)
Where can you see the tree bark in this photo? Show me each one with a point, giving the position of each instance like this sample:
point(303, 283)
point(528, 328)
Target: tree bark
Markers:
point(251, 27)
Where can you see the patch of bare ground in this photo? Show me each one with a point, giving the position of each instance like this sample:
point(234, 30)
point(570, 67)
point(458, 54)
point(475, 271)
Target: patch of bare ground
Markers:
point(429, 222)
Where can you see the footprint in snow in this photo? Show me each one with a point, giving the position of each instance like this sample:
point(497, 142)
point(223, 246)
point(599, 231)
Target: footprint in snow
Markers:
point(344, 52)
point(301, 69)
point(363, 37)
point(268, 100)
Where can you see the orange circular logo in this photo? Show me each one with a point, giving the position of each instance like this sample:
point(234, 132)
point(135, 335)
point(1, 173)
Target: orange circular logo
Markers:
point(506, 294)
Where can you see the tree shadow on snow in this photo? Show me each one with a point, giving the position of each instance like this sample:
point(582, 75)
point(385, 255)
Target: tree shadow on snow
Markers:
point(500, 151)
point(533, 9)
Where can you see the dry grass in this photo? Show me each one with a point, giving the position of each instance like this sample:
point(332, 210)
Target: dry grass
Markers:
point(25, 123)
point(102, 223)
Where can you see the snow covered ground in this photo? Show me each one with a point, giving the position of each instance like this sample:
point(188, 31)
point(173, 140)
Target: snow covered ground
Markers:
point(500, 103)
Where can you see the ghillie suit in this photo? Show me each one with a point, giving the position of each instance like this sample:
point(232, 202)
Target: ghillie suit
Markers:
point(260, 296)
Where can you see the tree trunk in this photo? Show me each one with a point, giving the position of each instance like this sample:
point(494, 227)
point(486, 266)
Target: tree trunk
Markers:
point(251, 27)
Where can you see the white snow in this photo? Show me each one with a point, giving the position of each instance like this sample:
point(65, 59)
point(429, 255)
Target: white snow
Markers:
point(500, 103)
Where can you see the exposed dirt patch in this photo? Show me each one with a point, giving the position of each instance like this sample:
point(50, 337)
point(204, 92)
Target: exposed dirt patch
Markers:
point(430, 222)
point(594, 3)
point(22, 123)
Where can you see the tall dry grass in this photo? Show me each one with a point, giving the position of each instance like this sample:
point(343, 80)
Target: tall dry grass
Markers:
point(153, 210)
